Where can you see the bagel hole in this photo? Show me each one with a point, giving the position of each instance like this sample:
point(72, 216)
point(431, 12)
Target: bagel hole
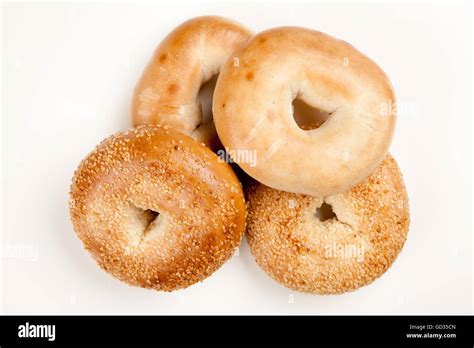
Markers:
point(148, 219)
point(205, 95)
point(325, 212)
point(308, 117)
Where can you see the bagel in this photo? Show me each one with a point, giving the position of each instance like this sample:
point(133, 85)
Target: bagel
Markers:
point(191, 55)
point(304, 245)
point(253, 111)
point(156, 208)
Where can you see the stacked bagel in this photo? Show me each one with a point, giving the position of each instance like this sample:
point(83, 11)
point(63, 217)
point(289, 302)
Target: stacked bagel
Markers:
point(323, 205)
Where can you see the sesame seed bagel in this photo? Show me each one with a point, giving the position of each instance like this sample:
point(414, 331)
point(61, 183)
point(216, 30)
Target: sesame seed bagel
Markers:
point(189, 56)
point(156, 208)
point(253, 110)
point(304, 245)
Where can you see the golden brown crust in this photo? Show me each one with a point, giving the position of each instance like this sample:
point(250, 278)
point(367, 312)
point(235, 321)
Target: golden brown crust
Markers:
point(252, 109)
point(129, 176)
point(190, 55)
point(304, 253)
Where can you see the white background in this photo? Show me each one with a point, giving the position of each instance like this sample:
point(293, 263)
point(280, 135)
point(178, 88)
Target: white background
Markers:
point(68, 71)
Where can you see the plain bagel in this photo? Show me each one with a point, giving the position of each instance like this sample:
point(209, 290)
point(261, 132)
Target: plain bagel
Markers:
point(253, 111)
point(189, 56)
point(156, 208)
point(331, 245)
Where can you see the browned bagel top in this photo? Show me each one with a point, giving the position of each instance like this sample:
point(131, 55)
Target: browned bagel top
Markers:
point(121, 186)
point(300, 243)
point(253, 110)
point(167, 92)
